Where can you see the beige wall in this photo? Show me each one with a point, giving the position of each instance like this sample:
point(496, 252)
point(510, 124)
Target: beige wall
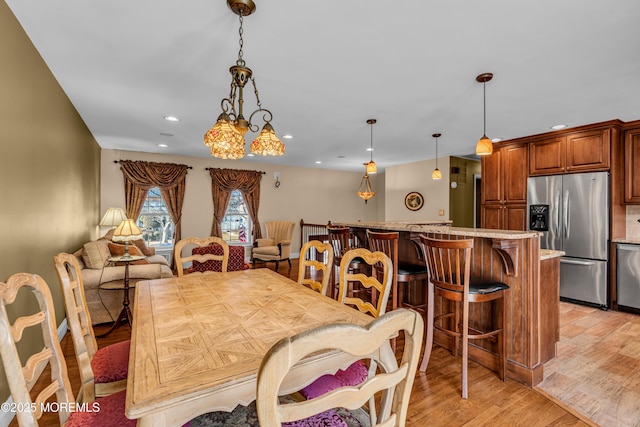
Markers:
point(403, 179)
point(315, 195)
point(49, 172)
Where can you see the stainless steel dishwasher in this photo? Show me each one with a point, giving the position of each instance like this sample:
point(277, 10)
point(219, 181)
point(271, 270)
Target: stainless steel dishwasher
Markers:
point(628, 275)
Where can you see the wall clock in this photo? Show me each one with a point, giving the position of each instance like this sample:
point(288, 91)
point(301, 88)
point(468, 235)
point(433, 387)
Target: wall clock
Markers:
point(414, 201)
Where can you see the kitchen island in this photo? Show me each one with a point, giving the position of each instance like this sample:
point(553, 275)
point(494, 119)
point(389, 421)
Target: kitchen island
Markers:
point(512, 257)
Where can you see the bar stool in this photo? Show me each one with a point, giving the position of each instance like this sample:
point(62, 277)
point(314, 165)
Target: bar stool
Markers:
point(342, 240)
point(449, 263)
point(387, 243)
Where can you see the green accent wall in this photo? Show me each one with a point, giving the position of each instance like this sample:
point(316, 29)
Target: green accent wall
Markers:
point(461, 197)
point(49, 173)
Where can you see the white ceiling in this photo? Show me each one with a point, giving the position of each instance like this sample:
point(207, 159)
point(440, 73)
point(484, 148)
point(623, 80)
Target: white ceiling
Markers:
point(323, 68)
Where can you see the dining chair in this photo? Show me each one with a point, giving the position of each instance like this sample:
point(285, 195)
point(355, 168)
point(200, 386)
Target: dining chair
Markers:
point(449, 264)
point(376, 306)
point(392, 386)
point(102, 371)
point(403, 273)
point(22, 378)
point(200, 258)
point(309, 261)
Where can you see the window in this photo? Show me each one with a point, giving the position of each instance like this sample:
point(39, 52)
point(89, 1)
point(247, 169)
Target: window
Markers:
point(155, 221)
point(236, 224)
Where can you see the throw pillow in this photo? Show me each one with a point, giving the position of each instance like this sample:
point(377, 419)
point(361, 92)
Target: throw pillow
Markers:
point(95, 254)
point(140, 244)
point(118, 250)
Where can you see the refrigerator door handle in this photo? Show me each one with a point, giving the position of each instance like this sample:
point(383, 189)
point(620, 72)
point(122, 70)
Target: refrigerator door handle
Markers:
point(576, 262)
point(565, 213)
point(557, 211)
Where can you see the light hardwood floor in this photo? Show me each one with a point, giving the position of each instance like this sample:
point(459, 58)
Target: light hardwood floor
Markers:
point(436, 401)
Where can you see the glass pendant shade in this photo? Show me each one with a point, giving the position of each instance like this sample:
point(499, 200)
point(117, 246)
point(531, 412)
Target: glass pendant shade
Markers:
point(267, 143)
point(484, 147)
point(365, 192)
point(372, 167)
point(224, 140)
point(436, 174)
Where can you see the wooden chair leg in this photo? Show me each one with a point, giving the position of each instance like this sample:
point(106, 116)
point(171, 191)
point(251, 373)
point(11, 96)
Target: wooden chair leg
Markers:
point(465, 349)
point(428, 341)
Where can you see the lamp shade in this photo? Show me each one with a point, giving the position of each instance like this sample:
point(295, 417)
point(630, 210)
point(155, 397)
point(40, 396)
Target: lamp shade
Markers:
point(372, 167)
point(436, 174)
point(267, 143)
point(127, 231)
point(113, 217)
point(484, 147)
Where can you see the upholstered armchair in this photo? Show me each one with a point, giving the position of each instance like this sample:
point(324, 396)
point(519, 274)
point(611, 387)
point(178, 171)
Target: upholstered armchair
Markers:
point(276, 246)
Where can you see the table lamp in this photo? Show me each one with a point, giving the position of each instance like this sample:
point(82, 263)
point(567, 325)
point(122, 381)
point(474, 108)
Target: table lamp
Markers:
point(126, 232)
point(113, 217)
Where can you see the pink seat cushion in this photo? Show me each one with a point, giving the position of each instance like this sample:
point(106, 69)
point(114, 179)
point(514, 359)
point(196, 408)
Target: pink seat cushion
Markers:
point(111, 363)
point(354, 375)
point(235, 263)
point(324, 419)
point(108, 411)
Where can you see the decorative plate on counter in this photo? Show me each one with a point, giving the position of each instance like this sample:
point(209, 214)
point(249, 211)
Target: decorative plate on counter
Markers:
point(414, 201)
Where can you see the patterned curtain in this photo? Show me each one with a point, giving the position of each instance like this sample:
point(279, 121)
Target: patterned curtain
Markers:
point(140, 176)
point(223, 182)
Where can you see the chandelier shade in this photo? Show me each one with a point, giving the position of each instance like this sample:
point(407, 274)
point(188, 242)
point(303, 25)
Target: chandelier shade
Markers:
point(226, 138)
point(267, 143)
point(365, 192)
point(484, 147)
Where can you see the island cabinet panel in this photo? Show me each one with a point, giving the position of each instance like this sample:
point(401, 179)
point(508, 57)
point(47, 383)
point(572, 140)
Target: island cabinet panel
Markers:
point(532, 303)
point(632, 166)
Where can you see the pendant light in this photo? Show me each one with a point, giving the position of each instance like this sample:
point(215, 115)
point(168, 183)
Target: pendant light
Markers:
point(436, 172)
point(364, 191)
point(484, 146)
point(371, 166)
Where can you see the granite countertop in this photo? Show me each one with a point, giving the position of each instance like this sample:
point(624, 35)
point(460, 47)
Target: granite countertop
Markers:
point(548, 254)
point(633, 241)
point(441, 226)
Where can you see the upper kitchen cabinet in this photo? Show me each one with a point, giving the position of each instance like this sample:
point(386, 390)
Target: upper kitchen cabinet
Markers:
point(504, 187)
point(582, 151)
point(632, 166)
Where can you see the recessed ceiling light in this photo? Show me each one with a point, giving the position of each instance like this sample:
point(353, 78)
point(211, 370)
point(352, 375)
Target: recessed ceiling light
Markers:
point(250, 154)
point(171, 119)
point(318, 162)
point(341, 157)
point(162, 145)
point(287, 136)
point(166, 134)
point(496, 139)
point(558, 127)
point(370, 149)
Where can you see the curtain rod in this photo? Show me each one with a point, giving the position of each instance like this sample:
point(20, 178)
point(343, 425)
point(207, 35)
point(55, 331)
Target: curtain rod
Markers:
point(118, 161)
point(262, 172)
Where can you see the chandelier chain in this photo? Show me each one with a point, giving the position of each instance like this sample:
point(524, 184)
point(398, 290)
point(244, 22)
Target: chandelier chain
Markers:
point(240, 61)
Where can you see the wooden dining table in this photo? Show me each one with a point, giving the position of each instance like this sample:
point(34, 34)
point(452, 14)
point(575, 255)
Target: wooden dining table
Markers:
point(197, 341)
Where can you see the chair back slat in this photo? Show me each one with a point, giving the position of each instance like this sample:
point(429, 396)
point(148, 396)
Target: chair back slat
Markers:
point(449, 262)
point(392, 381)
point(181, 260)
point(312, 264)
point(52, 352)
point(79, 321)
point(380, 283)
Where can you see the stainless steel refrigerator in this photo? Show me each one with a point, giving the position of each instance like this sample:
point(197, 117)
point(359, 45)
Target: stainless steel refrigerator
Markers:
point(571, 211)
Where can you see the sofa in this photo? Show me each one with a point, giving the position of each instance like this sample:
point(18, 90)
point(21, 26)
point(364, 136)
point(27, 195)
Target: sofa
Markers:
point(104, 281)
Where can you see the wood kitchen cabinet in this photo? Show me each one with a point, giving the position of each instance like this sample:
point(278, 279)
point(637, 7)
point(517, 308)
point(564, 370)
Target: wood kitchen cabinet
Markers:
point(632, 166)
point(588, 150)
point(504, 187)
